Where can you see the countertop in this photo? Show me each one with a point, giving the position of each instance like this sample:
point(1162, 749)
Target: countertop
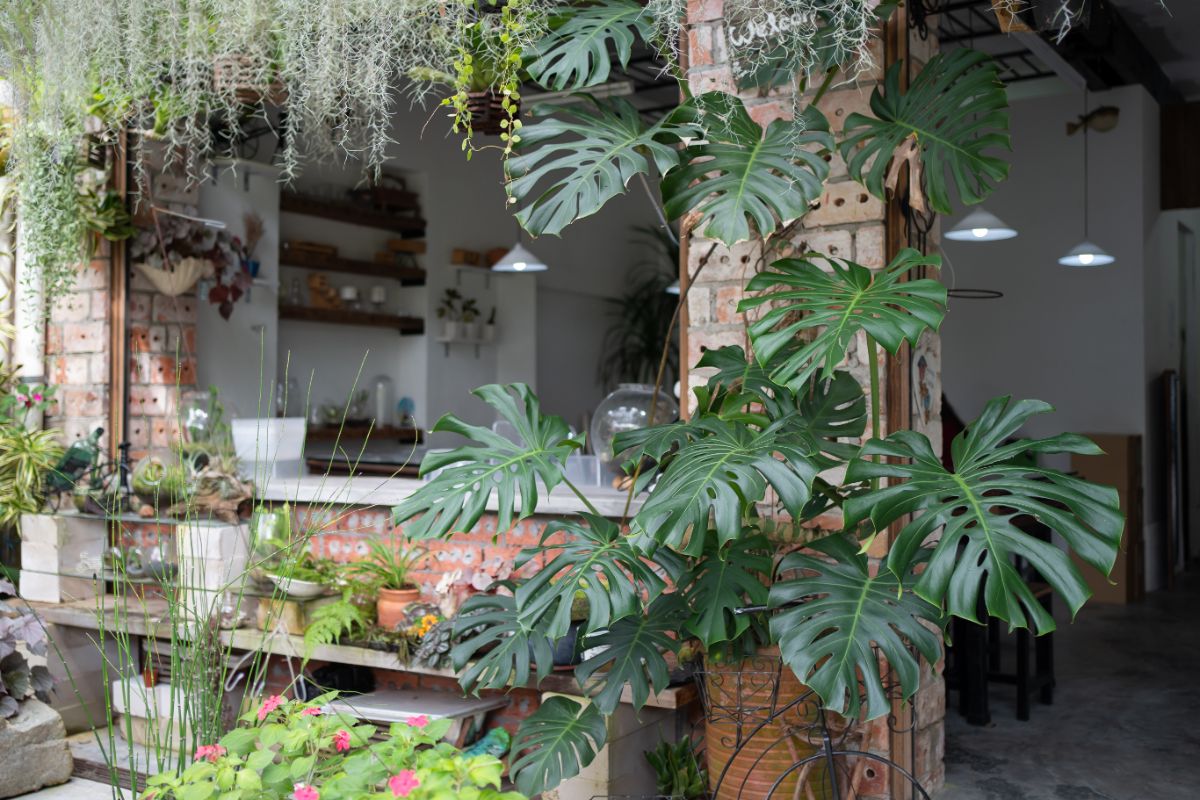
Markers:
point(387, 492)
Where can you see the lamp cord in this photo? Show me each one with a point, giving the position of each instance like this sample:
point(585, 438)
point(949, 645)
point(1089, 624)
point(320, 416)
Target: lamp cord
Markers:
point(1085, 164)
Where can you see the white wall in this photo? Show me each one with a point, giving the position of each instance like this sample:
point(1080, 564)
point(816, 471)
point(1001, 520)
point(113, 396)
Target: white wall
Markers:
point(1085, 340)
point(464, 205)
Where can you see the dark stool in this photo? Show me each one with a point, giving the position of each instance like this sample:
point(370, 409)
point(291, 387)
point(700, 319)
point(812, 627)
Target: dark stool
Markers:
point(1041, 680)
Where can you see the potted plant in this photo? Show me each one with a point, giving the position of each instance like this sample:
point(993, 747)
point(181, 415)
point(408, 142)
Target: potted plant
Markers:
point(26, 456)
point(449, 311)
point(470, 317)
point(390, 567)
point(677, 773)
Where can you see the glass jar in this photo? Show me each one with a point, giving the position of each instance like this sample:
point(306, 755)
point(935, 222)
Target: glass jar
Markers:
point(627, 409)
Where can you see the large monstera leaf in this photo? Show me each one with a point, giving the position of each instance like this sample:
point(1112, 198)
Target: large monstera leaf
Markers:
point(729, 577)
point(740, 175)
point(554, 743)
point(837, 304)
point(570, 164)
point(630, 652)
point(834, 613)
point(507, 646)
point(976, 507)
point(457, 497)
point(952, 114)
point(726, 464)
point(575, 54)
point(597, 559)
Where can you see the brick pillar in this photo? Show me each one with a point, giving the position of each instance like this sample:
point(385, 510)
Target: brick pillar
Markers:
point(78, 343)
point(162, 362)
point(849, 223)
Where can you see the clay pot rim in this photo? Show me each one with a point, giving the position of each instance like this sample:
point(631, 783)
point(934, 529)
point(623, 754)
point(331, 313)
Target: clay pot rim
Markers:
point(408, 589)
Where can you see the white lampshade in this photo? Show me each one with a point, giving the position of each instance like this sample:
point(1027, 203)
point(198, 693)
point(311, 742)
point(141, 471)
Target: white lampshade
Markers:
point(980, 226)
point(1086, 254)
point(673, 288)
point(519, 260)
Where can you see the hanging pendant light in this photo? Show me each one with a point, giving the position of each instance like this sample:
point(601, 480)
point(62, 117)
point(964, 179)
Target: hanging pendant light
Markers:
point(980, 226)
point(673, 288)
point(1086, 254)
point(519, 259)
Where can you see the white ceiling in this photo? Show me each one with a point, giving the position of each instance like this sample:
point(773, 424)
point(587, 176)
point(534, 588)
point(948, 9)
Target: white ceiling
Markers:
point(1170, 30)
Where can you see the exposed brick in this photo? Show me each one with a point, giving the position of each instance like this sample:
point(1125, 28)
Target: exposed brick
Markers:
point(843, 203)
point(94, 275)
point(139, 307)
point(712, 339)
point(137, 431)
point(173, 309)
point(705, 10)
point(723, 263)
point(725, 304)
point(160, 369)
point(64, 370)
point(98, 368)
point(764, 112)
point(711, 79)
point(152, 400)
point(836, 243)
point(164, 432)
point(699, 305)
point(869, 245)
point(54, 339)
point(700, 46)
point(90, 402)
point(72, 307)
point(84, 337)
point(99, 306)
point(840, 104)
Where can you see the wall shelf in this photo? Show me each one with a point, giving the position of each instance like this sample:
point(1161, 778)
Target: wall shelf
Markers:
point(407, 326)
point(409, 227)
point(329, 433)
point(408, 276)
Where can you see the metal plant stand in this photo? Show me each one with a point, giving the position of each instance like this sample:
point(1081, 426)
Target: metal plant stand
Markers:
point(748, 707)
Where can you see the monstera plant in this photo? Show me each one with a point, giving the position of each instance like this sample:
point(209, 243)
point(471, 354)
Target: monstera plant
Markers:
point(776, 436)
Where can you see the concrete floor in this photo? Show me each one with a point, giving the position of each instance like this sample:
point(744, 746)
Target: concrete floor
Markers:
point(1123, 725)
point(76, 789)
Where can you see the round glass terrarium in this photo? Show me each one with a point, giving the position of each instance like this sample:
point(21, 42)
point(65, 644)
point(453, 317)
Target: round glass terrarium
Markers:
point(627, 409)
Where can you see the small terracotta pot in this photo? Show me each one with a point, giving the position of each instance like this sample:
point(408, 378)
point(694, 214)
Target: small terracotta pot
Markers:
point(391, 604)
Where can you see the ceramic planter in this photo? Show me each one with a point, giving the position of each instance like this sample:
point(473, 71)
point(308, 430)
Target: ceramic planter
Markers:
point(451, 330)
point(391, 605)
point(470, 331)
point(742, 695)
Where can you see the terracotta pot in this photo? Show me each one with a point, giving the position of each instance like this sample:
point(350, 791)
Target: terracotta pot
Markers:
point(391, 604)
point(741, 697)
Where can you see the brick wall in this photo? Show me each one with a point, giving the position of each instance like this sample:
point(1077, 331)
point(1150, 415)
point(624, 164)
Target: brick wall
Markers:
point(848, 223)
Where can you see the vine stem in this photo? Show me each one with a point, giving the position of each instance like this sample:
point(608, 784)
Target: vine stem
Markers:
point(580, 495)
point(873, 371)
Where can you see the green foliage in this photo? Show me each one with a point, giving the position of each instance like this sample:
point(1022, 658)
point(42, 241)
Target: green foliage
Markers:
point(953, 111)
point(21, 633)
point(834, 614)
point(575, 54)
point(800, 296)
point(570, 164)
point(730, 576)
point(331, 622)
point(497, 646)
point(456, 498)
point(555, 742)
point(292, 749)
point(677, 772)
point(739, 176)
point(26, 456)
point(387, 566)
point(976, 507)
point(630, 653)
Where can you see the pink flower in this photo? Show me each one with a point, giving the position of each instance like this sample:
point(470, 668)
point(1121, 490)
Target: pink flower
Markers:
point(302, 791)
point(22, 400)
point(38, 397)
point(210, 751)
point(341, 740)
point(418, 721)
point(270, 704)
point(403, 783)
point(311, 711)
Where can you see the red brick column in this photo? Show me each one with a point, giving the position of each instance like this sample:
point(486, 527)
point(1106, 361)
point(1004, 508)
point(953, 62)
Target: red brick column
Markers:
point(849, 223)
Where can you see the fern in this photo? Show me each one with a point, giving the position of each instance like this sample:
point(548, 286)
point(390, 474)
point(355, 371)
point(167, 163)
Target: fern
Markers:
point(331, 622)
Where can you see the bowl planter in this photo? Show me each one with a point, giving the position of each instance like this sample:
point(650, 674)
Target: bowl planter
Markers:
point(294, 587)
point(745, 760)
point(391, 604)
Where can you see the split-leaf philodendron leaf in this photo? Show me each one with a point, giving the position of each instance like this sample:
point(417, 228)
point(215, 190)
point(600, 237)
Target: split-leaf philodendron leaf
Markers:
point(457, 496)
point(977, 506)
point(832, 616)
point(630, 653)
point(554, 743)
point(507, 647)
point(576, 53)
point(837, 304)
point(740, 179)
point(952, 114)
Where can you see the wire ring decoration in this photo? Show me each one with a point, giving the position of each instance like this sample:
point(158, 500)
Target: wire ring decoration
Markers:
point(749, 701)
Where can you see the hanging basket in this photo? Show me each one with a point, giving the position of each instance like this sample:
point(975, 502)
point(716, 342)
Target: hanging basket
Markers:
point(181, 279)
point(487, 112)
point(242, 77)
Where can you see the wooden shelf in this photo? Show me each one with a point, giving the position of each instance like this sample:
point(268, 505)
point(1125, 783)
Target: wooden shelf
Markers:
point(408, 276)
point(407, 326)
point(410, 227)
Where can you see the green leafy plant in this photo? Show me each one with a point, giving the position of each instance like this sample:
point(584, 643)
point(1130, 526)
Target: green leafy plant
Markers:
point(293, 750)
point(331, 622)
point(26, 455)
point(677, 772)
point(20, 632)
point(388, 566)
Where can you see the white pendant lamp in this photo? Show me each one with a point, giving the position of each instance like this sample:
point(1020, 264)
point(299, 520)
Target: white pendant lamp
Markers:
point(519, 259)
point(673, 288)
point(1086, 254)
point(980, 226)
